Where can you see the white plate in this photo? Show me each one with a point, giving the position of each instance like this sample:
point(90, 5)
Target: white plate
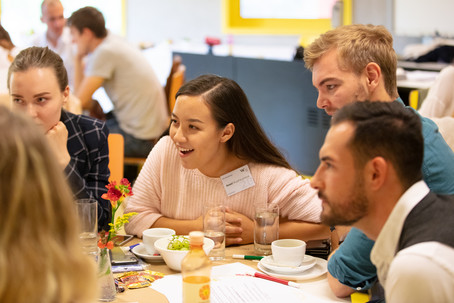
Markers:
point(269, 263)
point(314, 272)
point(140, 251)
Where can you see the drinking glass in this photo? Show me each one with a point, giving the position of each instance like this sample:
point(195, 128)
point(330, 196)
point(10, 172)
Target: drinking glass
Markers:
point(266, 228)
point(214, 228)
point(87, 210)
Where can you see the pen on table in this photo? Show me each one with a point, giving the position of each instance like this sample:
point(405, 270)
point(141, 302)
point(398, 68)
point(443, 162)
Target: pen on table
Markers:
point(274, 279)
point(246, 257)
point(132, 246)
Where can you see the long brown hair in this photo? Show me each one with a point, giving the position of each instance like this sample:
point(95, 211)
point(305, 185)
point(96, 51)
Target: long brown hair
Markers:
point(229, 104)
point(40, 254)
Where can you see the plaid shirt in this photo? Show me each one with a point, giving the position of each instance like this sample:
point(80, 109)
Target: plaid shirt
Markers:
point(87, 171)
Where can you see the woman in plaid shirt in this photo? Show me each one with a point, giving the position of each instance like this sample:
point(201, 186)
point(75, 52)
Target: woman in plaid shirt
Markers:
point(38, 85)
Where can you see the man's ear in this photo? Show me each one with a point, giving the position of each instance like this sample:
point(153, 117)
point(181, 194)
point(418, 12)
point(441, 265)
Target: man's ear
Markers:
point(227, 132)
point(85, 31)
point(376, 172)
point(373, 74)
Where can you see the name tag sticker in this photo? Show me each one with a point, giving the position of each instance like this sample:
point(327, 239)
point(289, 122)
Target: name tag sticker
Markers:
point(237, 180)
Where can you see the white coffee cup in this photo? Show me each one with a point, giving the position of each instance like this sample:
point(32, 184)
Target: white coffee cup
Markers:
point(288, 252)
point(152, 234)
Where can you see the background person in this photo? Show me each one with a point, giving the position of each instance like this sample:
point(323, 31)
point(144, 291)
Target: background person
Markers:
point(213, 132)
point(356, 63)
point(439, 104)
point(440, 98)
point(40, 254)
point(140, 109)
point(7, 53)
point(375, 150)
point(57, 36)
point(38, 86)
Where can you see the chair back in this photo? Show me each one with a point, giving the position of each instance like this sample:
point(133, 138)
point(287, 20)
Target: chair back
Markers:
point(175, 84)
point(116, 156)
point(176, 61)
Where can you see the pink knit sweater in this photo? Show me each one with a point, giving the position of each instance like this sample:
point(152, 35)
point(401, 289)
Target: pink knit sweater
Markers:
point(165, 188)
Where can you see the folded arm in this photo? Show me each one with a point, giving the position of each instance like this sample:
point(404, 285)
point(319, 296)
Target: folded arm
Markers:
point(302, 230)
point(340, 290)
point(350, 267)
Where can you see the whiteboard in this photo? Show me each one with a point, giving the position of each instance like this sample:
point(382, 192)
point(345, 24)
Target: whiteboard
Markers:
point(423, 17)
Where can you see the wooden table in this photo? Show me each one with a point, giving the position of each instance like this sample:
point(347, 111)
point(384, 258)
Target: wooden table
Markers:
point(317, 285)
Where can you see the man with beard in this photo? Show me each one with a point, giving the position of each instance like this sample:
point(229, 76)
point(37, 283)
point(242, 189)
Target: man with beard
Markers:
point(375, 151)
point(356, 63)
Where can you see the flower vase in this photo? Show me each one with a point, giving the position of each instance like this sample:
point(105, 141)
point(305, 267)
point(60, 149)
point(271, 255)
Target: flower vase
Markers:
point(105, 277)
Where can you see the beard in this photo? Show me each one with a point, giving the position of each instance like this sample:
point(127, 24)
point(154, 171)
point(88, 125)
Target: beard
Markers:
point(348, 212)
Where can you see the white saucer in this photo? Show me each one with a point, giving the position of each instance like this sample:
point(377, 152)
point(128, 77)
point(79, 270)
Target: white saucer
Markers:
point(317, 270)
point(269, 263)
point(140, 251)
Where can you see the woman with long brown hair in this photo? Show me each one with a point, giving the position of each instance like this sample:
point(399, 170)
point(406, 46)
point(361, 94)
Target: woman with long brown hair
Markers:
point(213, 133)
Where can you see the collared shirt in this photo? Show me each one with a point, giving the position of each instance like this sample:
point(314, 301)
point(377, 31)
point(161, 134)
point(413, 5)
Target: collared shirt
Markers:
point(87, 171)
point(423, 272)
point(385, 247)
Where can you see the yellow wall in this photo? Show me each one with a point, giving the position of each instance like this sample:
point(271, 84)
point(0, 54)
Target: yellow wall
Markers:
point(234, 24)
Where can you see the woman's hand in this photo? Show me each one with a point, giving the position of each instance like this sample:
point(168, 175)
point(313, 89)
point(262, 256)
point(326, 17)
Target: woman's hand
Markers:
point(239, 229)
point(58, 138)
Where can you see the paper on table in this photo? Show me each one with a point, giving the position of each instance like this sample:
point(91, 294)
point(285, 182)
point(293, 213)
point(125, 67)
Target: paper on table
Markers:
point(227, 287)
point(250, 290)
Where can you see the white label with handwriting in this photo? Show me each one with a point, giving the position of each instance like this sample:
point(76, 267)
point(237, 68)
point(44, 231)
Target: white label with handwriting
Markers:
point(237, 180)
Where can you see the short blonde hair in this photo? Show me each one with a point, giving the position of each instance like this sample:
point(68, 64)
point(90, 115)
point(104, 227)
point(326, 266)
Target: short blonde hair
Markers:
point(357, 45)
point(41, 258)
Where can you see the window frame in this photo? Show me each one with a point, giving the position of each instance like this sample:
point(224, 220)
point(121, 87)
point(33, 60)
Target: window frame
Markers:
point(233, 23)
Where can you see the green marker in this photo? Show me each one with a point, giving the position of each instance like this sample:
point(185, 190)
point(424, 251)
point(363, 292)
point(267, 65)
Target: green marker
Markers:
point(245, 257)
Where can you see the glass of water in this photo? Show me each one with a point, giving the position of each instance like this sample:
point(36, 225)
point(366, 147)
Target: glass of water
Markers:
point(266, 228)
point(87, 210)
point(214, 228)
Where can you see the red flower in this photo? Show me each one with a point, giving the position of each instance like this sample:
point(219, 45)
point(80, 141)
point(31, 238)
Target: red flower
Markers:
point(116, 195)
point(112, 184)
point(108, 245)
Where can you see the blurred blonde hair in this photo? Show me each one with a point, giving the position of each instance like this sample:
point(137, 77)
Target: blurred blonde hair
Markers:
point(41, 259)
point(357, 45)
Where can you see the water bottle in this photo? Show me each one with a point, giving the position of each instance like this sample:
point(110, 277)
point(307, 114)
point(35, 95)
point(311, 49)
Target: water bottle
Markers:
point(196, 271)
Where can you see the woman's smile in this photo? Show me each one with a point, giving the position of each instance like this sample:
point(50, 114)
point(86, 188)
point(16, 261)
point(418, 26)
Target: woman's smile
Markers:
point(185, 151)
